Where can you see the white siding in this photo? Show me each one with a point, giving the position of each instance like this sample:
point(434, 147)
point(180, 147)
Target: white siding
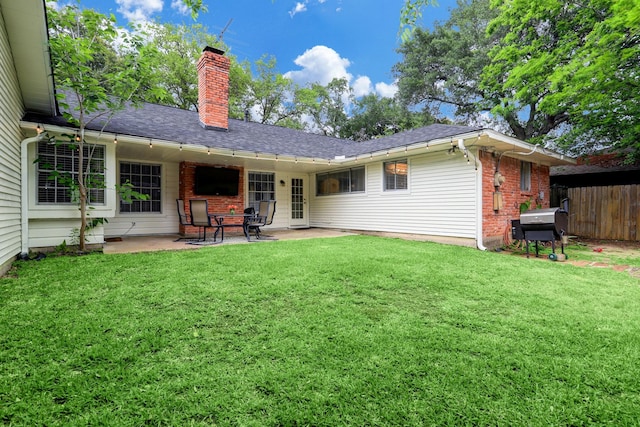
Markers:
point(11, 111)
point(440, 201)
point(49, 233)
point(165, 222)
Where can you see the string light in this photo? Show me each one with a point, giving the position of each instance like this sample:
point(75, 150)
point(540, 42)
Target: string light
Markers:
point(427, 146)
point(150, 144)
point(208, 151)
point(387, 153)
point(115, 139)
point(39, 129)
point(296, 159)
point(371, 155)
point(233, 153)
point(180, 146)
point(276, 157)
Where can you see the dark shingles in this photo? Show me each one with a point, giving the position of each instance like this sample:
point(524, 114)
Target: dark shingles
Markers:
point(183, 126)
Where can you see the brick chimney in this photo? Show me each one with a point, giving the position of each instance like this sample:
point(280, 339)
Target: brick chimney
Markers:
point(213, 89)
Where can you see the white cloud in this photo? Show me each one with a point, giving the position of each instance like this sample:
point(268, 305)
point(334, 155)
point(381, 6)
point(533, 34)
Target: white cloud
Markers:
point(361, 86)
point(320, 64)
point(139, 10)
point(180, 7)
point(387, 90)
point(299, 7)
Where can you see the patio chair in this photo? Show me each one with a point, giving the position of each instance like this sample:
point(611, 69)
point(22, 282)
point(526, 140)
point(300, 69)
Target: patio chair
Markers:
point(200, 216)
point(266, 211)
point(184, 220)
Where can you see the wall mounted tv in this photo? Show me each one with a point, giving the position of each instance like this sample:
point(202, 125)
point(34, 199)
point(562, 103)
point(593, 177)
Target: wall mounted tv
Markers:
point(216, 181)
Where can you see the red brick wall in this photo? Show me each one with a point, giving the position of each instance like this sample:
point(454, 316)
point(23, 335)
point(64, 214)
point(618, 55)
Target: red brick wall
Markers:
point(216, 204)
point(496, 225)
point(213, 89)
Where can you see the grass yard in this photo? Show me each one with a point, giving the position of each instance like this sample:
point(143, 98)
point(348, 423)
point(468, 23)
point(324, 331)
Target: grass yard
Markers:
point(355, 330)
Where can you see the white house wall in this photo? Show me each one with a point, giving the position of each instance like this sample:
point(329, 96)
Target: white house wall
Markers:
point(440, 200)
point(10, 137)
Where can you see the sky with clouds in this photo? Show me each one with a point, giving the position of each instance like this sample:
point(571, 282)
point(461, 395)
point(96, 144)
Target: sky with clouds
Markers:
point(312, 40)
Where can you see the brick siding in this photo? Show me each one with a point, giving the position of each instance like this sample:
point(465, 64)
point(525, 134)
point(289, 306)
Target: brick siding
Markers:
point(496, 225)
point(216, 204)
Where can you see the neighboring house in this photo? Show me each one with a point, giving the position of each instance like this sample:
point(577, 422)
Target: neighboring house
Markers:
point(462, 184)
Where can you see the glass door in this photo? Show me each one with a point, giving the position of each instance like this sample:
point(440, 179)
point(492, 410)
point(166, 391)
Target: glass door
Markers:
point(298, 207)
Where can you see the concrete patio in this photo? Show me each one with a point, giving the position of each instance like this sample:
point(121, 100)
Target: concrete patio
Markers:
point(131, 244)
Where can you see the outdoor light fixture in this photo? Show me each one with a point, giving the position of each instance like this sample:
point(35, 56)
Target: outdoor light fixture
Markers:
point(115, 139)
point(150, 144)
point(39, 129)
point(208, 151)
point(180, 146)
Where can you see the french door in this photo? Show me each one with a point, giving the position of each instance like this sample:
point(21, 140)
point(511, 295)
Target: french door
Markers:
point(298, 207)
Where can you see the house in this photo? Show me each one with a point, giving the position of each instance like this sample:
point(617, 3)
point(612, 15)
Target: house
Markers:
point(459, 183)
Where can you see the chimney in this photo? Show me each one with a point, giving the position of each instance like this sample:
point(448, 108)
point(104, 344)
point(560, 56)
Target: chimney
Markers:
point(213, 89)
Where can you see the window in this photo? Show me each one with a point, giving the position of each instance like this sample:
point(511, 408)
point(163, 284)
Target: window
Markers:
point(146, 179)
point(261, 187)
point(344, 181)
point(525, 176)
point(395, 175)
point(57, 170)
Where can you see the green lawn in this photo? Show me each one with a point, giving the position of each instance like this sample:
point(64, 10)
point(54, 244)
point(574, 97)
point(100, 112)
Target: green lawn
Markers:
point(355, 330)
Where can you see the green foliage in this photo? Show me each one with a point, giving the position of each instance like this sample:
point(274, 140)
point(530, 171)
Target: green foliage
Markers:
point(101, 68)
point(374, 116)
point(354, 330)
point(576, 62)
point(444, 66)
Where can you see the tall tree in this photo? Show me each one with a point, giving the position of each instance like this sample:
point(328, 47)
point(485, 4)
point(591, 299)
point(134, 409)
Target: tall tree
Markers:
point(98, 78)
point(578, 60)
point(178, 49)
point(374, 116)
point(271, 96)
point(325, 105)
point(442, 68)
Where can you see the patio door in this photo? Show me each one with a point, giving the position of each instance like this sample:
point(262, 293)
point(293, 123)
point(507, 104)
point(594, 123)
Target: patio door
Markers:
point(298, 206)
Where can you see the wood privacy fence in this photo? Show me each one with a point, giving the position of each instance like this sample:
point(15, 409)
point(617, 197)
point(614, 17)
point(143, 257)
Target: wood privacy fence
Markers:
point(611, 213)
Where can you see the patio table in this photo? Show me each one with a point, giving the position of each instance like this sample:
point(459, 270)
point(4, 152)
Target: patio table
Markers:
point(219, 218)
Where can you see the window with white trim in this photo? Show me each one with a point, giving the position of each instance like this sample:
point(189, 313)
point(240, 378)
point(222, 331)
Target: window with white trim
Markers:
point(396, 175)
point(57, 173)
point(342, 181)
point(261, 187)
point(146, 179)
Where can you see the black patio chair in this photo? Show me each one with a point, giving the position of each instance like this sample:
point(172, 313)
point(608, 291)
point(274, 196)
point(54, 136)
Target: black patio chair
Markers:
point(266, 211)
point(185, 220)
point(200, 216)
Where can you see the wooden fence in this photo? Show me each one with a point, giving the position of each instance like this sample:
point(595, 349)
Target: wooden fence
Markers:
point(611, 213)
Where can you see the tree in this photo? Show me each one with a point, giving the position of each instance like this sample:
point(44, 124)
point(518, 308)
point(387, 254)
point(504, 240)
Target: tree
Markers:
point(325, 105)
point(99, 79)
point(271, 95)
point(374, 116)
point(579, 60)
point(443, 67)
point(175, 74)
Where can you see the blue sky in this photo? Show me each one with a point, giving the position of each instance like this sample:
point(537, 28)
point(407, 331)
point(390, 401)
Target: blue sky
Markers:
point(312, 40)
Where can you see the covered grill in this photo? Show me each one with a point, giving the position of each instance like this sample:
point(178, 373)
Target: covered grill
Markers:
point(544, 225)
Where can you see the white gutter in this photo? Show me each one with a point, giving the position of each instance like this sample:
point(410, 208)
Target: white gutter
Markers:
point(479, 194)
point(24, 184)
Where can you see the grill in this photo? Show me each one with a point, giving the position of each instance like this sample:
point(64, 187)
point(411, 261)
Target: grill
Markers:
point(544, 225)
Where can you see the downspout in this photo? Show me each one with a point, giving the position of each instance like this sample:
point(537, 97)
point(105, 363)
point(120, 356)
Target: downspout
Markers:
point(479, 194)
point(24, 184)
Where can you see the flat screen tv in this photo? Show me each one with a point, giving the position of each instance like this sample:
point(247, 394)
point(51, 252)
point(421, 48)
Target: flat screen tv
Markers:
point(216, 181)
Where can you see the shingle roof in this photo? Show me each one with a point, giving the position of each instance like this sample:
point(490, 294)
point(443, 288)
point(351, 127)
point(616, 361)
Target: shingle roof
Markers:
point(183, 127)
